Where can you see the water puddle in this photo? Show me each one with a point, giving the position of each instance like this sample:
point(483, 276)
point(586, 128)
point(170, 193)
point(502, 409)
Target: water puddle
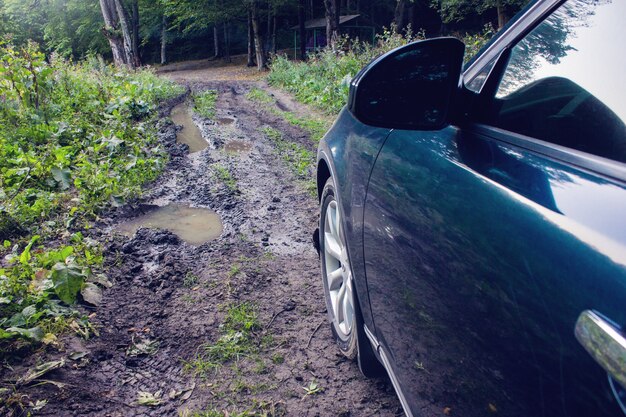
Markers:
point(225, 121)
point(193, 225)
point(190, 134)
point(237, 146)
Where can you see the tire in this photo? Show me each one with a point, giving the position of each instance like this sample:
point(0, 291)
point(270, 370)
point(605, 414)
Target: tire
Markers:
point(344, 312)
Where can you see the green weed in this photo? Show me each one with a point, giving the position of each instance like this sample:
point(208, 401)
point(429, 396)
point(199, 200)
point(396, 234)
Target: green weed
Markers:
point(297, 157)
point(190, 280)
point(204, 103)
point(236, 341)
point(223, 174)
point(260, 96)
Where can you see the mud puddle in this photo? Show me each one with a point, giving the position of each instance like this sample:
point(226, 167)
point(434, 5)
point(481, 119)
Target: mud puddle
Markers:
point(190, 134)
point(193, 225)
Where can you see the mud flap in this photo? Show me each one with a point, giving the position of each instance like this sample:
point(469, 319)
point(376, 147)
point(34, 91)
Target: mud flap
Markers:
point(316, 240)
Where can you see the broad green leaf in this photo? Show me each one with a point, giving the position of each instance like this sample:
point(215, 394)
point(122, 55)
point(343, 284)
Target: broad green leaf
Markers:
point(25, 256)
point(67, 280)
point(34, 333)
point(91, 293)
point(62, 176)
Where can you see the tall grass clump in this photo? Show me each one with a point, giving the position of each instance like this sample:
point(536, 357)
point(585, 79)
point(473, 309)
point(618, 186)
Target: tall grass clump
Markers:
point(324, 79)
point(74, 139)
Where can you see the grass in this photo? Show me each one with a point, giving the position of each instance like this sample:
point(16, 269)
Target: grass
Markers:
point(204, 103)
point(315, 127)
point(300, 160)
point(223, 174)
point(237, 340)
point(260, 96)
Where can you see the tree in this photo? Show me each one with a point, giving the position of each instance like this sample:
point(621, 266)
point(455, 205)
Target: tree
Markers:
point(117, 31)
point(331, 8)
point(458, 10)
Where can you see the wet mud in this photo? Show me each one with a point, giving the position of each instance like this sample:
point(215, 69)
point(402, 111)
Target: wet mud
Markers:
point(172, 293)
point(188, 133)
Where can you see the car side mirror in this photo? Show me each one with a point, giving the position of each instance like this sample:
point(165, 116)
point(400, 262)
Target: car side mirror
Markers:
point(413, 87)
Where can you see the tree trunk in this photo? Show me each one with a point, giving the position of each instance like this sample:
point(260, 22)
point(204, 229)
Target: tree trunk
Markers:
point(164, 40)
point(258, 39)
point(268, 31)
point(398, 16)
point(301, 28)
point(274, 35)
point(251, 52)
point(332, 23)
point(502, 17)
point(135, 40)
point(110, 32)
point(126, 36)
point(216, 42)
point(227, 41)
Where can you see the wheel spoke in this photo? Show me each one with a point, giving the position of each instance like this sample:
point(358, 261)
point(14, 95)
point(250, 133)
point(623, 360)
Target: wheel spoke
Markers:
point(348, 309)
point(332, 246)
point(337, 232)
point(335, 278)
point(339, 301)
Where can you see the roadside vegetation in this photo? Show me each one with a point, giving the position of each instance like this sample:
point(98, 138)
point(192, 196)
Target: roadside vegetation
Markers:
point(75, 139)
point(324, 80)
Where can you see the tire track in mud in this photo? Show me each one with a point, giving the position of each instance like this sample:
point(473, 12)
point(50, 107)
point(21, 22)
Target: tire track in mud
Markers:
point(175, 294)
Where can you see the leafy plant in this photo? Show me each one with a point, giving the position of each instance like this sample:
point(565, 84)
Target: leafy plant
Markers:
point(204, 103)
point(237, 341)
point(74, 139)
point(313, 388)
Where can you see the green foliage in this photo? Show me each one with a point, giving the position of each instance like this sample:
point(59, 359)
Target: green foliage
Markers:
point(74, 139)
point(474, 42)
point(34, 280)
point(259, 96)
point(204, 103)
point(223, 174)
point(68, 27)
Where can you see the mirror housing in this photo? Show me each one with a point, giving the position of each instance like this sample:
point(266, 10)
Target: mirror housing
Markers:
point(413, 87)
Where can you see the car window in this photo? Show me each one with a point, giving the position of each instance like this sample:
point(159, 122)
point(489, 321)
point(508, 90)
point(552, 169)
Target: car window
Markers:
point(565, 82)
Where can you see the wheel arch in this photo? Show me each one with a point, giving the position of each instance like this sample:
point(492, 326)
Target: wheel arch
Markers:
point(323, 174)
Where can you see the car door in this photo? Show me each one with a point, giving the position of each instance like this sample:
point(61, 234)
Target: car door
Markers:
point(484, 243)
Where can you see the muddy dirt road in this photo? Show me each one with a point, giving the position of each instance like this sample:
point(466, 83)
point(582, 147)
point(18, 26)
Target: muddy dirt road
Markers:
point(168, 322)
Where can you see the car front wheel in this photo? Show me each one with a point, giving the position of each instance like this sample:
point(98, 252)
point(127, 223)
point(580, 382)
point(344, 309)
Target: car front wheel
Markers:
point(337, 273)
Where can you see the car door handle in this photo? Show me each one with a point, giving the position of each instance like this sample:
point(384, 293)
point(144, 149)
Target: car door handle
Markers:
point(604, 341)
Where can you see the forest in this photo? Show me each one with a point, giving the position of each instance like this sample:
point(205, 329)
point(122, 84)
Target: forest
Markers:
point(140, 32)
